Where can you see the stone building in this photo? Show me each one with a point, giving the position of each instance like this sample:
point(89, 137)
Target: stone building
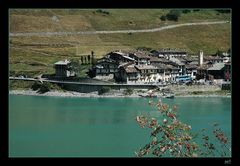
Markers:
point(63, 69)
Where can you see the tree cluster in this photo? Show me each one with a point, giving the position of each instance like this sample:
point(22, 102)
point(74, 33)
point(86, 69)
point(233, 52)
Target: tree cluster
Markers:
point(173, 15)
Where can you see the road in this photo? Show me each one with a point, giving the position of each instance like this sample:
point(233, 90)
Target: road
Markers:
point(116, 31)
point(80, 83)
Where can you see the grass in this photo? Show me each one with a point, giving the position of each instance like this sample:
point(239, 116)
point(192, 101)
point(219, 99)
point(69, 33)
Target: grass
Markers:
point(207, 38)
point(20, 85)
point(23, 85)
point(76, 20)
point(36, 55)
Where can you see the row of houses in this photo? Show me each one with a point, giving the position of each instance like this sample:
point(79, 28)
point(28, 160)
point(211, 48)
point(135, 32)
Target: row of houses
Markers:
point(152, 67)
point(141, 67)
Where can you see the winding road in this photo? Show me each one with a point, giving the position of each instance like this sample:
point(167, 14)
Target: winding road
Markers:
point(116, 31)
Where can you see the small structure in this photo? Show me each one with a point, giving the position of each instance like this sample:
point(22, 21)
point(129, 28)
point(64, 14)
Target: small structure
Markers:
point(226, 86)
point(217, 70)
point(63, 69)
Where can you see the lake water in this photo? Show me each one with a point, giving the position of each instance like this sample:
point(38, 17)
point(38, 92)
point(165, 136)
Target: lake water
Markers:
point(97, 127)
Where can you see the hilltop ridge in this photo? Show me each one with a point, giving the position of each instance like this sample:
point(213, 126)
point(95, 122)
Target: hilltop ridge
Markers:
point(36, 54)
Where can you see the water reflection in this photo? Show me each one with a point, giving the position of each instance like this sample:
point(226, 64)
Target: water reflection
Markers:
point(97, 127)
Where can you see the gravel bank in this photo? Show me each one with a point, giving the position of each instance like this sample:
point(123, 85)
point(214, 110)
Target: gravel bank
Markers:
point(95, 94)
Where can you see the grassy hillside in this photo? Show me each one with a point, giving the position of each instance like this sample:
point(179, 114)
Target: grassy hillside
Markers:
point(36, 54)
point(117, 19)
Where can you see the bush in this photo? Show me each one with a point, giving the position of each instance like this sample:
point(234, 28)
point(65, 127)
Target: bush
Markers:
point(186, 11)
point(223, 11)
point(45, 87)
point(128, 91)
point(163, 18)
point(36, 85)
point(171, 137)
point(197, 92)
point(103, 90)
point(173, 15)
point(196, 10)
point(102, 11)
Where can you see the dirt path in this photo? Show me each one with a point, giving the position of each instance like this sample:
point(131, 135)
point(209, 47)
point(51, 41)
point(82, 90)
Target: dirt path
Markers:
point(117, 31)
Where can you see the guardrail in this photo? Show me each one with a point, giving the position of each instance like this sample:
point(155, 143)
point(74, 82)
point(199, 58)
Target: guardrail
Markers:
point(82, 83)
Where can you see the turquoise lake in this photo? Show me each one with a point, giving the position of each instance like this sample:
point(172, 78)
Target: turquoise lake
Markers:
point(42, 126)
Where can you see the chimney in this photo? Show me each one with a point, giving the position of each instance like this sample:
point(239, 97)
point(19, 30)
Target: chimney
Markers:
point(200, 58)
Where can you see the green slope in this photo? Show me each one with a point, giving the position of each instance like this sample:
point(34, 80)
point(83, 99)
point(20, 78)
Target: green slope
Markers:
point(36, 54)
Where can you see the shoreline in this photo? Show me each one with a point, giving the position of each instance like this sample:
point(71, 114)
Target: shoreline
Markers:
point(95, 94)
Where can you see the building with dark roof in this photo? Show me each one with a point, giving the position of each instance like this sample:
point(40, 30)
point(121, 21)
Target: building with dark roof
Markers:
point(63, 69)
point(127, 74)
point(155, 60)
point(213, 59)
point(140, 58)
point(217, 71)
point(120, 56)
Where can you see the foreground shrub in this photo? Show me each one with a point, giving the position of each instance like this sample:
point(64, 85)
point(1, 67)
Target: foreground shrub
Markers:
point(173, 15)
point(171, 137)
point(163, 18)
point(103, 90)
point(128, 91)
point(45, 87)
point(36, 85)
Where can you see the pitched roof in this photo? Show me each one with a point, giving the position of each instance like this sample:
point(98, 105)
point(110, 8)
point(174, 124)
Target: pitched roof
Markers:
point(160, 66)
point(203, 67)
point(120, 52)
point(190, 58)
point(141, 55)
point(107, 60)
point(191, 66)
point(194, 63)
point(65, 62)
point(125, 64)
point(217, 66)
point(163, 66)
point(208, 58)
point(156, 59)
point(171, 67)
point(131, 69)
point(171, 50)
point(145, 67)
point(177, 61)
